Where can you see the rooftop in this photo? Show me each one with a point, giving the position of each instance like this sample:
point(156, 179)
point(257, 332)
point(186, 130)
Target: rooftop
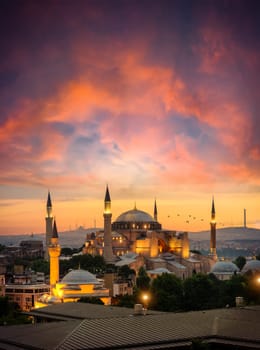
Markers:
point(106, 328)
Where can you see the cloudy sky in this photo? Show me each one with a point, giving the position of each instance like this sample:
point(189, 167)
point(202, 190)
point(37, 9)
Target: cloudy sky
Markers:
point(157, 99)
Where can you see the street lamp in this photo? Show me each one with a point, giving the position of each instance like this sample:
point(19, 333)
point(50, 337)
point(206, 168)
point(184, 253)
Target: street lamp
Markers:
point(145, 298)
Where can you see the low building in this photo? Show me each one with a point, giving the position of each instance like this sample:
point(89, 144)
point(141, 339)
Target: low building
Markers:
point(26, 295)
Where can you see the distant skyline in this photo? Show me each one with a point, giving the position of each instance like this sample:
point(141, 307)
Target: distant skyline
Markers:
point(157, 99)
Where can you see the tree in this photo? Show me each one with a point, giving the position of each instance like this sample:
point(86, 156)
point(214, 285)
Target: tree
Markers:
point(125, 272)
point(167, 292)
point(66, 251)
point(201, 292)
point(93, 264)
point(240, 261)
point(10, 313)
point(142, 280)
point(91, 300)
point(236, 286)
point(127, 301)
point(41, 265)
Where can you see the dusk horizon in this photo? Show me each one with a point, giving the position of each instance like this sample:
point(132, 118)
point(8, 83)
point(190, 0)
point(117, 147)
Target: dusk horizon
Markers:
point(159, 100)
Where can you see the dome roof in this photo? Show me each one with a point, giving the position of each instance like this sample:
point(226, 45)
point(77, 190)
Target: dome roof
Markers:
point(253, 265)
point(135, 215)
point(224, 267)
point(79, 277)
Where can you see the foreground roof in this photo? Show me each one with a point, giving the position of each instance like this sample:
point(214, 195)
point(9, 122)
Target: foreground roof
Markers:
point(152, 331)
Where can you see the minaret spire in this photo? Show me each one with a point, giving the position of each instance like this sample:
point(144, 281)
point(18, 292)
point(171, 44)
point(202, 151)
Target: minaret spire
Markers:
point(213, 250)
point(155, 211)
point(213, 209)
point(108, 251)
point(107, 196)
point(49, 223)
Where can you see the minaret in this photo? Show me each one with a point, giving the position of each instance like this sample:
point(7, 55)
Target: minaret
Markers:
point(108, 251)
point(155, 211)
point(49, 223)
point(213, 251)
point(54, 253)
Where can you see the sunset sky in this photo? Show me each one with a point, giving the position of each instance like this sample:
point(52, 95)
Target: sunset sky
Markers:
point(158, 99)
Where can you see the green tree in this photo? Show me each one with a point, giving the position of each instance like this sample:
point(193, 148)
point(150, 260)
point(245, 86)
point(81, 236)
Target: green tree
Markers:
point(240, 261)
point(66, 251)
point(91, 300)
point(41, 265)
point(142, 280)
point(126, 300)
point(10, 313)
point(167, 293)
point(93, 264)
point(236, 286)
point(125, 272)
point(201, 292)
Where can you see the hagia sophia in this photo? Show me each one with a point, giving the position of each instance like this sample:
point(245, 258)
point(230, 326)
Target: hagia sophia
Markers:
point(135, 239)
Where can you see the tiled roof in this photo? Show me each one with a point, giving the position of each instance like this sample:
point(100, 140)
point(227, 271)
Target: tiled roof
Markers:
point(159, 330)
point(83, 311)
point(236, 326)
point(38, 336)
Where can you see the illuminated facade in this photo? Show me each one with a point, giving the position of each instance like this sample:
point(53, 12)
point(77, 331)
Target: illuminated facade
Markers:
point(26, 295)
point(134, 231)
point(54, 253)
point(107, 250)
point(74, 285)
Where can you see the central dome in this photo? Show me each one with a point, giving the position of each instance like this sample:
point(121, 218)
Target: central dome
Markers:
point(135, 215)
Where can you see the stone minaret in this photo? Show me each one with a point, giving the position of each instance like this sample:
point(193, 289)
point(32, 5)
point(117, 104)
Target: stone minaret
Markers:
point(213, 251)
point(49, 224)
point(155, 211)
point(54, 253)
point(108, 251)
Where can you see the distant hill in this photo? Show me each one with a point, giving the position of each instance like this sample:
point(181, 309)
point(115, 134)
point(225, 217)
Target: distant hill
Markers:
point(73, 239)
point(228, 234)
point(76, 238)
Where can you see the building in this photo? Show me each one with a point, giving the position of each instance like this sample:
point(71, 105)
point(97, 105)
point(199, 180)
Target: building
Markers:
point(26, 295)
point(138, 233)
point(75, 284)
point(90, 327)
point(30, 248)
point(134, 231)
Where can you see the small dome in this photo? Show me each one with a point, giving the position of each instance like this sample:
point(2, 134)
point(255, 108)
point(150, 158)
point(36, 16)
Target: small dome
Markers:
point(224, 267)
point(135, 215)
point(253, 265)
point(79, 277)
